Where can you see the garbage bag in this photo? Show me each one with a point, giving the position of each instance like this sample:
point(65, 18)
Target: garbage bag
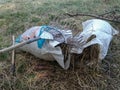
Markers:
point(103, 32)
point(47, 47)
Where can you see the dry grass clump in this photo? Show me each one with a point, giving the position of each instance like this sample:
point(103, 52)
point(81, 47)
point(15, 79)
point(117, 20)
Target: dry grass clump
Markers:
point(89, 57)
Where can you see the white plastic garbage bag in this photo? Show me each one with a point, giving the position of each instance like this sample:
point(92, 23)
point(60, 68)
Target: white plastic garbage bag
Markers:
point(46, 48)
point(103, 31)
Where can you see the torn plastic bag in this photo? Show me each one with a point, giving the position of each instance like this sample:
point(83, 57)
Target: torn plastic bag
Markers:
point(46, 48)
point(103, 32)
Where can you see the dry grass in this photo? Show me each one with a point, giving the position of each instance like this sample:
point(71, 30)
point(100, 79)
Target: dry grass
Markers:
point(35, 74)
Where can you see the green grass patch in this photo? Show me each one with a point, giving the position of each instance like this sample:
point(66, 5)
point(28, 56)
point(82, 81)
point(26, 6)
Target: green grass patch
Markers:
point(4, 56)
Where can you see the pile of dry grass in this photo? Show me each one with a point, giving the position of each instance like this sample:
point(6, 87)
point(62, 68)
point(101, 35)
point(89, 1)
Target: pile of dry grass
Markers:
point(89, 56)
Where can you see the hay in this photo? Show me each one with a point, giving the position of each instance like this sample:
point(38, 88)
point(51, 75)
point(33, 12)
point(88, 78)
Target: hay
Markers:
point(65, 51)
point(89, 56)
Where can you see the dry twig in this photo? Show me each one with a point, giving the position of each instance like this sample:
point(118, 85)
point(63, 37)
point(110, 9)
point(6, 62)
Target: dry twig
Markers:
point(13, 57)
point(92, 15)
point(19, 45)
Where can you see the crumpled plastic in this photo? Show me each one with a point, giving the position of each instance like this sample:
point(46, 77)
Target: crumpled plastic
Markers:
point(47, 47)
point(103, 32)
